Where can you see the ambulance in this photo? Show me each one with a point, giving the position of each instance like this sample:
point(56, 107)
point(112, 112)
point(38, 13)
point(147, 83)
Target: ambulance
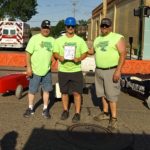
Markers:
point(14, 34)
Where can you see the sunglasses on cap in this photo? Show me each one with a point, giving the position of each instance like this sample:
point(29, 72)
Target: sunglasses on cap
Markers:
point(70, 26)
point(104, 26)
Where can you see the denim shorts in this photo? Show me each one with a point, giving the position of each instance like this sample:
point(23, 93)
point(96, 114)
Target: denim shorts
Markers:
point(45, 81)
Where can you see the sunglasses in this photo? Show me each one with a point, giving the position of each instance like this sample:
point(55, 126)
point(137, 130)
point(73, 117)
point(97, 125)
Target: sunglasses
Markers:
point(70, 26)
point(104, 26)
point(45, 27)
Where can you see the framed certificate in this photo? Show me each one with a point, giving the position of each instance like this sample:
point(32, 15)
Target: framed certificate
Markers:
point(69, 52)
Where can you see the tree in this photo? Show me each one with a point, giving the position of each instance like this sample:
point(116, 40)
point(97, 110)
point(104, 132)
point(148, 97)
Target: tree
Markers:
point(82, 22)
point(18, 9)
point(58, 28)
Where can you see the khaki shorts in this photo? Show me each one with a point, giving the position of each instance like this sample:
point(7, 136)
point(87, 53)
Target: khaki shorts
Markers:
point(105, 85)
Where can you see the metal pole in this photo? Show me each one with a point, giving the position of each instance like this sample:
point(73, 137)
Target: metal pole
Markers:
point(140, 30)
point(130, 42)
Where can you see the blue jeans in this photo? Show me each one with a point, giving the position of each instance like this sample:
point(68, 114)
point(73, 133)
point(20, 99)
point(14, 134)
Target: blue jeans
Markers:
point(45, 81)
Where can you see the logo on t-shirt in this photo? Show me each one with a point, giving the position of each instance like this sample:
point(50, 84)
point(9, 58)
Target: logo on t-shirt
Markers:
point(70, 44)
point(47, 45)
point(102, 46)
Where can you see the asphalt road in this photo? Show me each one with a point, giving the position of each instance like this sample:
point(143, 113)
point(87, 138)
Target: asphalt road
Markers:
point(37, 133)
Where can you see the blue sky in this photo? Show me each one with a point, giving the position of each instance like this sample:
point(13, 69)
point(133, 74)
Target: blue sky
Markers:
point(55, 10)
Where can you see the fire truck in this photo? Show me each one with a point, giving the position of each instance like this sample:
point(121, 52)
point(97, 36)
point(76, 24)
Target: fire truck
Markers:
point(14, 34)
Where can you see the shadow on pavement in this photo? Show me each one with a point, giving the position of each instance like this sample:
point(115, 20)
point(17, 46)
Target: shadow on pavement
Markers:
point(78, 138)
point(96, 101)
point(10, 93)
point(9, 141)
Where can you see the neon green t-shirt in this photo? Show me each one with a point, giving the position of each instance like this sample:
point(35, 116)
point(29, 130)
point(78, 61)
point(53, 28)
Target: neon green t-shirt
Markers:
point(41, 49)
point(106, 53)
point(76, 43)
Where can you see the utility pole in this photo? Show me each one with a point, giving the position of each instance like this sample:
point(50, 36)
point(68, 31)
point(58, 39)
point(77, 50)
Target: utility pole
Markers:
point(104, 8)
point(74, 8)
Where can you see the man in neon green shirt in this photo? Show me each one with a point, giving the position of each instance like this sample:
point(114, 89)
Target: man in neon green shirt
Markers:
point(70, 50)
point(110, 53)
point(39, 54)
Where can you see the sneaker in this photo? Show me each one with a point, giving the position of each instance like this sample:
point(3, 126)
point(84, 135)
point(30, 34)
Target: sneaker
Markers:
point(46, 114)
point(29, 112)
point(102, 116)
point(76, 118)
point(64, 115)
point(112, 126)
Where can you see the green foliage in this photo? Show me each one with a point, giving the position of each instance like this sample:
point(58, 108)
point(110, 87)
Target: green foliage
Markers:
point(18, 9)
point(55, 31)
point(82, 22)
point(35, 28)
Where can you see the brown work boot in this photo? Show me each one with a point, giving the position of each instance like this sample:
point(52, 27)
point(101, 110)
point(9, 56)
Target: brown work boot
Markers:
point(112, 126)
point(102, 116)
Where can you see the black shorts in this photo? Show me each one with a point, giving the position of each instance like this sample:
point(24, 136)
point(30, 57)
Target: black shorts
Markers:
point(70, 82)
